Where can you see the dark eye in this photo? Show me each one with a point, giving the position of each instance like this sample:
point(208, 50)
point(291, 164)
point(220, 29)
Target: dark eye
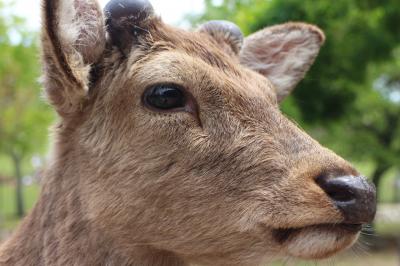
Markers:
point(165, 97)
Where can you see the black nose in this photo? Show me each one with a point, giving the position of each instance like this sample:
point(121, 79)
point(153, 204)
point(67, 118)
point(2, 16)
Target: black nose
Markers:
point(353, 195)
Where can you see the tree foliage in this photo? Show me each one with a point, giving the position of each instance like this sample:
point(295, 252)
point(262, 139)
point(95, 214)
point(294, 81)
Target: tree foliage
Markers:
point(24, 116)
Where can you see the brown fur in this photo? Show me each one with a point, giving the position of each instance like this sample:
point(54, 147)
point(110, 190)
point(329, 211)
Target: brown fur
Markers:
point(129, 186)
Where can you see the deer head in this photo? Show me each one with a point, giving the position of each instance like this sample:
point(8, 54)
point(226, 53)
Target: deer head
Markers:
point(176, 143)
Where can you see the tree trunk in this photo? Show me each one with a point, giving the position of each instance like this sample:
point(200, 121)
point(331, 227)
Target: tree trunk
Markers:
point(376, 178)
point(377, 175)
point(397, 190)
point(19, 196)
point(398, 249)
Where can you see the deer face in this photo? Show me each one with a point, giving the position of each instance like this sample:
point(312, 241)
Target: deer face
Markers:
point(180, 143)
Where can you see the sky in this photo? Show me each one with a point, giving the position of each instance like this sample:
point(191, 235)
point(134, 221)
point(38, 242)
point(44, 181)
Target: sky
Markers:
point(172, 11)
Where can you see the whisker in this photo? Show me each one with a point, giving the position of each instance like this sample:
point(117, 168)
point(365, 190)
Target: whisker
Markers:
point(361, 252)
point(285, 261)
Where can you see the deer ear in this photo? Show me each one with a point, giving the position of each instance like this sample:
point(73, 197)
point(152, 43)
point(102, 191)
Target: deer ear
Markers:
point(283, 53)
point(73, 38)
point(227, 34)
point(126, 20)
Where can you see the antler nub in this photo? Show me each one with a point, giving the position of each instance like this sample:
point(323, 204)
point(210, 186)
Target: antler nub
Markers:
point(224, 31)
point(124, 19)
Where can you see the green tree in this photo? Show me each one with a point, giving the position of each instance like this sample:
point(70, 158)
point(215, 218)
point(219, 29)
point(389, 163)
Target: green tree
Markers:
point(24, 116)
point(376, 121)
point(339, 101)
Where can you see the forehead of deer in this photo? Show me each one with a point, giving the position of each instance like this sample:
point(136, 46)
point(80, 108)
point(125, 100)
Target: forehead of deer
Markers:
point(163, 37)
point(218, 86)
point(174, 55)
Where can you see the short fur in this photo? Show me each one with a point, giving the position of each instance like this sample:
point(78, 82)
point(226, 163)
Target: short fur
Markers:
point(129, 186)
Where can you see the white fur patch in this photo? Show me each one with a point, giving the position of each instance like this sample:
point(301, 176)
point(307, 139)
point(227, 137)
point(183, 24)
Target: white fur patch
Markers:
point(81, 28)
point(314, 243)
point(68, 26)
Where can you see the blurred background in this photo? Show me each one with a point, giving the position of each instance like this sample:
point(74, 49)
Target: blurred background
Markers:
point(349, 101)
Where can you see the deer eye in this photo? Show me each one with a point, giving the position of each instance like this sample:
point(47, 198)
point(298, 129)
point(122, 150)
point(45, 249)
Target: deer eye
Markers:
point(165, 97)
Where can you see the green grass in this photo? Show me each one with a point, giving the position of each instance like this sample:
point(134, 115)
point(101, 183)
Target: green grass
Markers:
point(7, 203)
point(388, 229)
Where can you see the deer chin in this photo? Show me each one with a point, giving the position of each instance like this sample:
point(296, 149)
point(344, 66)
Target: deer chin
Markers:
point(318, 241)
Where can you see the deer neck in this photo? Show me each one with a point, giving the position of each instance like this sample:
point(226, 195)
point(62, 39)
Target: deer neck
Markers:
point(56, 232)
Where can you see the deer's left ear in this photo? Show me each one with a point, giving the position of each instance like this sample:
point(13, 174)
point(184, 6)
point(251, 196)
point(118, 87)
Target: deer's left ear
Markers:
point(283, 53)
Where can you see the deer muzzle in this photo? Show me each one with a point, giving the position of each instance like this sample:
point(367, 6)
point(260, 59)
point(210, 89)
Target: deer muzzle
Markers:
point(354, 196)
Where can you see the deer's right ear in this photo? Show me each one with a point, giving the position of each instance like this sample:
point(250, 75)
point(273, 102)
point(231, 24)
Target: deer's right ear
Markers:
point(73, 38)
point(126, 21)
point(283, 53)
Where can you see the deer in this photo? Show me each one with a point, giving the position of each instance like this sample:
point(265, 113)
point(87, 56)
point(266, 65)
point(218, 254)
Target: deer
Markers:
point(170, 147)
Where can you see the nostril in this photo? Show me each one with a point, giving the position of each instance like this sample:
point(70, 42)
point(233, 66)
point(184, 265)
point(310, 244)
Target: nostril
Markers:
point(338, 191)
point(353, 195)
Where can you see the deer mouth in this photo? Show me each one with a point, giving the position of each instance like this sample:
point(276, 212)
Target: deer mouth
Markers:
point(283, 235)
point(317, 241)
